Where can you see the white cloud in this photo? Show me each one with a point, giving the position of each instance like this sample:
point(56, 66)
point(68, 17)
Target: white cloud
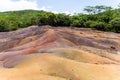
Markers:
point(8, 5)
point(66, 12)
point(56, 12)
point(45, 8)
point(70, 12)
point(11, 5)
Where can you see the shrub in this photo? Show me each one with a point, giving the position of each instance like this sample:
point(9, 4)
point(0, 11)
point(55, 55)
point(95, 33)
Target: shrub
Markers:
point(63, 19)
point(8, 25)
point(108, 27)
point(3, 25)
point(98, 25)
point(75, 23)
point(88, 23)
point(115, 23)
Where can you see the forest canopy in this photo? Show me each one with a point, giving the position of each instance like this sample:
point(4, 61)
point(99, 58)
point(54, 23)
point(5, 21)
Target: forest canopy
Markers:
point(101, 17)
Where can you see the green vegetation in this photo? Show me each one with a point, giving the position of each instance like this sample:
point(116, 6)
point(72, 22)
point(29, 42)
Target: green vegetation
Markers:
point(115, 25)
point(100, 17)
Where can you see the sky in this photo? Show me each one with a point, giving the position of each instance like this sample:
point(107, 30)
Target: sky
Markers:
point(56, 6)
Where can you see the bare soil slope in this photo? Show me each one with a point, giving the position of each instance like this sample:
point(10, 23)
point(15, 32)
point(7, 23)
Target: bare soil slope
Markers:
point(59, 53)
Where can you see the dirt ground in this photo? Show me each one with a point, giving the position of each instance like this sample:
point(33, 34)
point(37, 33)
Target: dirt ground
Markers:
point(59, 53)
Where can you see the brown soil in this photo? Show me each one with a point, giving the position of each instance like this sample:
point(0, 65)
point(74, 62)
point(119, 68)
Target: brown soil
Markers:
point(59, 53)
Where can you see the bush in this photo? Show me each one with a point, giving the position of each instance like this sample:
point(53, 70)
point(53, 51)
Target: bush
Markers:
point(88, 23)
point(115, 23)
point(8, 25)
point(13, 25)
point(98, 26)
point(3, 25)
point(75, 23)
point(63, 20)
point(108, 27)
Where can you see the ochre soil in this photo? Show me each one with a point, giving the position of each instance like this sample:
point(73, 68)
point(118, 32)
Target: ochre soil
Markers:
point(59, 53)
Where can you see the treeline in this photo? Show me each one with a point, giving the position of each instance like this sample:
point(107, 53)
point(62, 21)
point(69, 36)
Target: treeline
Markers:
point(97, 17)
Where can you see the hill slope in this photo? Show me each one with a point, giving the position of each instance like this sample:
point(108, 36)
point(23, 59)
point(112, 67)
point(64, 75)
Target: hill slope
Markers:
point(49, 53)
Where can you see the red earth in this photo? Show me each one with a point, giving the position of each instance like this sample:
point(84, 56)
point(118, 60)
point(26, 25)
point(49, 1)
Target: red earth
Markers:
point(59, 53)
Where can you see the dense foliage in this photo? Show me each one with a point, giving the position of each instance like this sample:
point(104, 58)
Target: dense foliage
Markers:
point(97, 17)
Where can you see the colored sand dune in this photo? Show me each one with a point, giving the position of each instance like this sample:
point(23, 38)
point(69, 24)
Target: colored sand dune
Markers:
point(59, 53)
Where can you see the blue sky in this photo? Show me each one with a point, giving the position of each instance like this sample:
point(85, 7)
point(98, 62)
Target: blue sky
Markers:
point(66, 6)
point(74, 5)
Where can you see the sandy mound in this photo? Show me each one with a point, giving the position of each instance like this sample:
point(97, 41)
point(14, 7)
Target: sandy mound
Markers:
point(49, 53)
